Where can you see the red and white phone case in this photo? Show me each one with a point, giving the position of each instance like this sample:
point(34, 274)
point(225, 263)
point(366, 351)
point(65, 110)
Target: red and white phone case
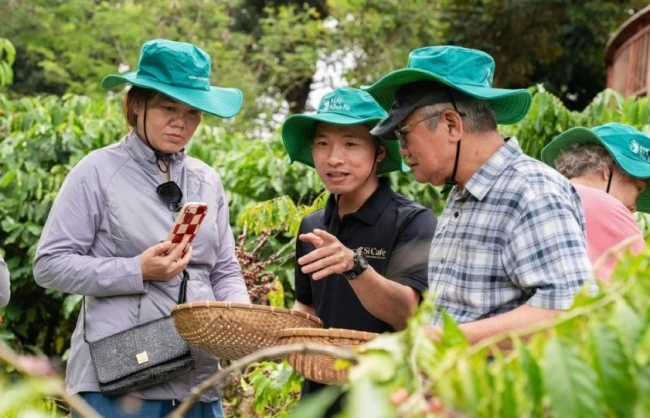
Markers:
point(188, 222)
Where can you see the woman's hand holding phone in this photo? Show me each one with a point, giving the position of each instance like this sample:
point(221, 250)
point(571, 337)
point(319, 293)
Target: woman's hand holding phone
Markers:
point(166, 260)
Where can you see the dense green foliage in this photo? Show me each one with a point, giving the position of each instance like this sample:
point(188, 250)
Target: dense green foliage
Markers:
point(28, 398)
point(557, 43)
point(278, 51)
point(41, 139)
point(592, 361)
point(7, 57)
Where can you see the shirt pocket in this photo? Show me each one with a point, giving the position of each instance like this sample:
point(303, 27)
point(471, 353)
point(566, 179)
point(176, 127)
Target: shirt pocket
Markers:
point(477, 273)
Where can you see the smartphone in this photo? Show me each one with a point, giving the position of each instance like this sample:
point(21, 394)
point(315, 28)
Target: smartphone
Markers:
point(187, 222)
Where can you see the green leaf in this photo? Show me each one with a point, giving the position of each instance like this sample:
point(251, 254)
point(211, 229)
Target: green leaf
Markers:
point(71, 304)
point(451, 332)
point(613, 367)
point(468, 384)
point(642, 355)
point(506, 392)
point(6, 180)
point(628, 323)
point(571, 384)
point(534, 386)
point(315, 405)
point(367, 400)
point(642, 405)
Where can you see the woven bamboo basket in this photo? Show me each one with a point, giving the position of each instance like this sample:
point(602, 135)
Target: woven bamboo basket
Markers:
point(233, 330)
point(316, 366)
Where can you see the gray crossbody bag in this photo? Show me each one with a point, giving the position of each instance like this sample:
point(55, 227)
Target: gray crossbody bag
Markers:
point(142, 356)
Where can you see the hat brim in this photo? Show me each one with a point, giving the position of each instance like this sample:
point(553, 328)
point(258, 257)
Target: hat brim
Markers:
point(218, 101)
point(508, 105)
point(298, 133)
point(581, 135)
point(398, 112)
point(577, 135)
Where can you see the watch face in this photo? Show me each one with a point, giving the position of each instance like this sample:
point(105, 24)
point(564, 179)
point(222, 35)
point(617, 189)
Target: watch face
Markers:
point(360, 262)
point(363, 261)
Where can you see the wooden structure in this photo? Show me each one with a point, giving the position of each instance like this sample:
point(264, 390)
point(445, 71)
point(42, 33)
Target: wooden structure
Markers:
point(627, 56)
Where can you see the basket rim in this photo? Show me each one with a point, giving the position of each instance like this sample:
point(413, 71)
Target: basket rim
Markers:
point(326, 332)
point(188, 306)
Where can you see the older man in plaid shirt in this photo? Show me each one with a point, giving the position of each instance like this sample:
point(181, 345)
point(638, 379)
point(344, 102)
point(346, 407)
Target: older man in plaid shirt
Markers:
point(509, 249)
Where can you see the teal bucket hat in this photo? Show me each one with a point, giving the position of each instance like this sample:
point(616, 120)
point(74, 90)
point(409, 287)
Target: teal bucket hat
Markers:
point(628, 146)
point(343, 106)
point(180, 71)
point(469, 71)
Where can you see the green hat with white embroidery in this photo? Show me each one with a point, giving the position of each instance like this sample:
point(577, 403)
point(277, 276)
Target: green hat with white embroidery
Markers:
point(469, 71)
point(628, 146)
point(343, 106)
point(180, 71)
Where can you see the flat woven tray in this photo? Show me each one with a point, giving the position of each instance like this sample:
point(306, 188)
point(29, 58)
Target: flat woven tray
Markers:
point(316, 366)
point(233, 330)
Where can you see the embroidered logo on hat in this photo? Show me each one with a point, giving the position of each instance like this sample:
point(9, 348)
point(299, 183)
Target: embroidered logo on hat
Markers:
point(639, 150)
point(629, 147)
point(333, 104)
point(345, 106)
point(489, 78)
point(469, 71)
point(180, 71)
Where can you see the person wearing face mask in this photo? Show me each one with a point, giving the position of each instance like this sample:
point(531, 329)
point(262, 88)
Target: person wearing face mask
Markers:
point(361, 262)
point(609, 166)
point(104, 235)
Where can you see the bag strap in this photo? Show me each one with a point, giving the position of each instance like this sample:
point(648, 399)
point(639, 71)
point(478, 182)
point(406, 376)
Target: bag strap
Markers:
point(182, 295)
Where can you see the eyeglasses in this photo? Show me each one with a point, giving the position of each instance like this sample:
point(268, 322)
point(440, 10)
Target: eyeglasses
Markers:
point(171, 194)
point(400, 133)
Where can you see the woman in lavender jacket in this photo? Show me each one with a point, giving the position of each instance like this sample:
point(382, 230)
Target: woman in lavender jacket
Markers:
point(104, 236)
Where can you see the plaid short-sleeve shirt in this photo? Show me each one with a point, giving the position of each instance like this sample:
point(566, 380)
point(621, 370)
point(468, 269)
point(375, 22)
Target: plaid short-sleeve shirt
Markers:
point(514, 235)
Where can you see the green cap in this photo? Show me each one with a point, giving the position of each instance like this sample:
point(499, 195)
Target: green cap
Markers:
point(467, 70)
point(628, 146)
point(180, 71)
point(343, 106)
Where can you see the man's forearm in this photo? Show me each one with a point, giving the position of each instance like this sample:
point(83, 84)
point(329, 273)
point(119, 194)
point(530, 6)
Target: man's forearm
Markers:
point(518, 319)
point(385, 299)
point(301, 307)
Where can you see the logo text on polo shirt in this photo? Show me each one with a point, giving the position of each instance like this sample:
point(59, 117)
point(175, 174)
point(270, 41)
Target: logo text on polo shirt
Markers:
point(639, 150)
point(372, 252)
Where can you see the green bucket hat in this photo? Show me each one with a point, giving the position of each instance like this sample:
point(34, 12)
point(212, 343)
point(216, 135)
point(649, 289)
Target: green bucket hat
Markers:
point(180, 71)
point(467, 70)
point(628, 146)
point(343, 106)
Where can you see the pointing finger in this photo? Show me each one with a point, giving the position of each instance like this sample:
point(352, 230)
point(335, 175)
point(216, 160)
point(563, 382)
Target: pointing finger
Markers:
point(312, 239)
point(325, 236)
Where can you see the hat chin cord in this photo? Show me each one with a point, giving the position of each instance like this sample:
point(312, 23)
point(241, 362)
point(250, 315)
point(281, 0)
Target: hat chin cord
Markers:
point(609, 181)
point(450, 183)
point(162, 159)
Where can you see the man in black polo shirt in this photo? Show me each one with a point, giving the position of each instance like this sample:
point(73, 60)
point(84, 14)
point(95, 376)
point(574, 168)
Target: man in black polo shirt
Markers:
point(361, 263)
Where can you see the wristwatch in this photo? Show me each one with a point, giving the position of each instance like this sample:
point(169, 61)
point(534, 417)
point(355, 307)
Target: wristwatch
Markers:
point(360, 265)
